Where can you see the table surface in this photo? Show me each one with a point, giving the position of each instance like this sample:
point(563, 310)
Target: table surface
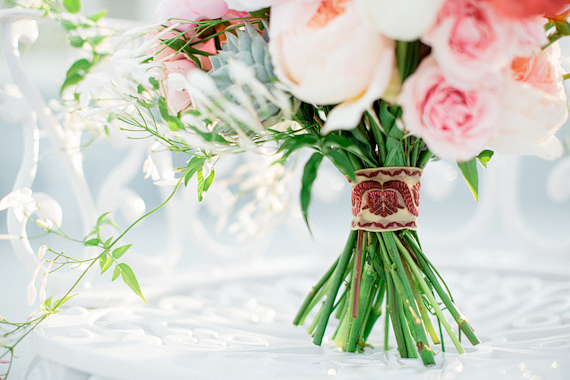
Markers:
point(237, 323)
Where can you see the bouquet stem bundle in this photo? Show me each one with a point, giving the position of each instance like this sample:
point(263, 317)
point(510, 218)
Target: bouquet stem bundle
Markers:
point(385, 273)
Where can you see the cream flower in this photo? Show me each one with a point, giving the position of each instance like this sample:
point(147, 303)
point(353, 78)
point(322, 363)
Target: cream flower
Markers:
point(404, 20)
point(325, 54)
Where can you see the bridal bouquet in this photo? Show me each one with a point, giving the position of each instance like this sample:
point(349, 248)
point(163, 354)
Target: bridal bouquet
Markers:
point(377, 87)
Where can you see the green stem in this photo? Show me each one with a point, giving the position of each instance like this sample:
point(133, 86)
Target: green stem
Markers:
point(304, 310)
point(368, 290)
point(149, 213)
point(337, 281)
point(432, 301)
point(392, 244)
point(455, 313)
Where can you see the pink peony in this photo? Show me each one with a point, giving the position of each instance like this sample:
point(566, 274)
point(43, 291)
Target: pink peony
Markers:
point(324, 53)
point(533, 106)
point(472, 43)
point(525, 8)
point(455, 124)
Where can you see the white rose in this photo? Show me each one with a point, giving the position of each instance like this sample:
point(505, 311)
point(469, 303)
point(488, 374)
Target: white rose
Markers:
point(404, 20)
point(533, 107)
point(324, 54)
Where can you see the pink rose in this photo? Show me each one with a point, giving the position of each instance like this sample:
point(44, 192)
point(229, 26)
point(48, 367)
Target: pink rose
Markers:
point(177, 100)
point(472, 43)
point(533, 106)
point(324, 53)
point(190, 10)
point(455, 124)
point(525, 8)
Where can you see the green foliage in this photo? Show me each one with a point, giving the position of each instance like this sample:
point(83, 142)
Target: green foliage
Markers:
point(92, 242)
point(469, 171)
point(484, 157)
point(76, 73)
point(99, 15)
point(117, 253)
point(309, 176)
point(105, 262)
point(173, 122)
point(196, 163)
point(116, 273)
point(204, 184)
point(130, 279)
point(72, 6)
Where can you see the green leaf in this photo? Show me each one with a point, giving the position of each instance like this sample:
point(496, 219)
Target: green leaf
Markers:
point(76, 41)
point(116, 273)
point(99, 15)
point(173, 122)
point(117, 253)
point(484, 157)
point(469, 171)
point(296, 142)
point(204, 185)
point(70, 81)
point(60, 302)
point(72, 6)
point(102, 260)
point(101, 220)
point(130, 279)
point(344, 143)
point(76, 73)
point(107, 264)
point(92, 242)
point(309, 176)
point(341, 162)
point(47, 303)
point(68, 25)
point(196, 163)
point(107, 242)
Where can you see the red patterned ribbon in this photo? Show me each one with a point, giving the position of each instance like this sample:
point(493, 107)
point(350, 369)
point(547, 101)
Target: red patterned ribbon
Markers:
point(386, 199)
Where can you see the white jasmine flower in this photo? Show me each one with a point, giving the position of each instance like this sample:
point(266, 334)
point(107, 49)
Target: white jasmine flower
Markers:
point(150, 169)
point(44, 283)
point(22, 203)
point(32, 292)
point(45, 224)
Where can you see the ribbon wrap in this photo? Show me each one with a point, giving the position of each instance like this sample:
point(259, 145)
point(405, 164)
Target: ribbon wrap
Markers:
point(386, 199)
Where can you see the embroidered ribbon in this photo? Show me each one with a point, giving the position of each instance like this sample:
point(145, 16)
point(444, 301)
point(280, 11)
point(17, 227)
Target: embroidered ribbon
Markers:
point(386, 199)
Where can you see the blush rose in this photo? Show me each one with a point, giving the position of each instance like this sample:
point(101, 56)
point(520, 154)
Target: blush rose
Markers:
point(455, 124)
point(472, 43)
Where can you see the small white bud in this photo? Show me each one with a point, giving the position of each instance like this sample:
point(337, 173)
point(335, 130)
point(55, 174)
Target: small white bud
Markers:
point(31, 293)
point(45, 224)
point(42, 251)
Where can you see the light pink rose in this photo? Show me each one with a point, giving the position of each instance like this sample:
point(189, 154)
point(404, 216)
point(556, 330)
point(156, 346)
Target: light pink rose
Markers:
point(529, 35)
point(533, 106)
point(177, 100)
point(473, 43)
point(455, 124)
point(190, 10)
point(324, 53)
